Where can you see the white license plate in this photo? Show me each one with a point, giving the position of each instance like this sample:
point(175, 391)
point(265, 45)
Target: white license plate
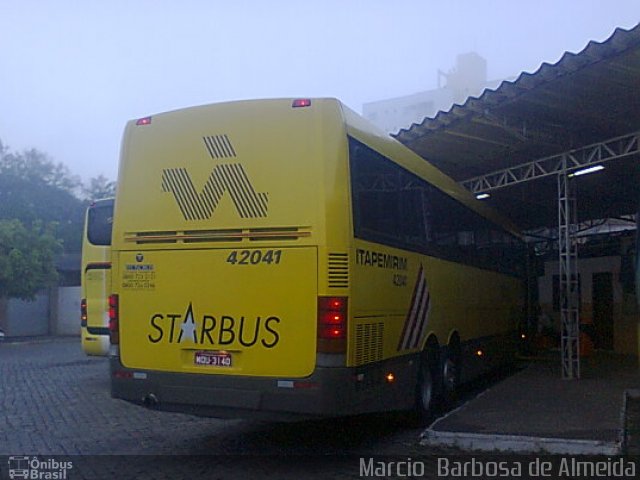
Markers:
point(213, 359)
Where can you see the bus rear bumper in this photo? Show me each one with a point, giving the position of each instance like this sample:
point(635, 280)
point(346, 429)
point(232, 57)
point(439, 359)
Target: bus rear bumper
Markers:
point(329, 391)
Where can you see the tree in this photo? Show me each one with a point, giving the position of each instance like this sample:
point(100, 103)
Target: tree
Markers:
point(26, 259)
point(36, 167)
point(34, 188)
point(98, 188)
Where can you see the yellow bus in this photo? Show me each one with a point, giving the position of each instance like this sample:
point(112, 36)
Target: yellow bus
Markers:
point(285, 259)
point(96, 277)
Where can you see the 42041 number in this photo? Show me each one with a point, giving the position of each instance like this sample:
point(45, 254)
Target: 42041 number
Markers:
point(254, 257)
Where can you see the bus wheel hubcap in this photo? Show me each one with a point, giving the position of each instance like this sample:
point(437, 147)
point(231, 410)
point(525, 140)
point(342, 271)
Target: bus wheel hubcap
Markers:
point(426, 390)
point(449, 375)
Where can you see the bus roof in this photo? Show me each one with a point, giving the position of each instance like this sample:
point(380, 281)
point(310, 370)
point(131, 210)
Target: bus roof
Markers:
point(362, 130)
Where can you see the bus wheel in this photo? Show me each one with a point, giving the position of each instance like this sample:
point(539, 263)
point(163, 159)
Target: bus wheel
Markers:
point(450, 376)
point(451, 373)
point(425, 392)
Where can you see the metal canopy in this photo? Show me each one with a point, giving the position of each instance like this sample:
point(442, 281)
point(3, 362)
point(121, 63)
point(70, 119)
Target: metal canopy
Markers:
point(583, 100)
point(523, 142)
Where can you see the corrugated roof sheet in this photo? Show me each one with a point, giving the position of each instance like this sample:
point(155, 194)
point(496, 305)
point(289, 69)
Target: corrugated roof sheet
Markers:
point(581, 99)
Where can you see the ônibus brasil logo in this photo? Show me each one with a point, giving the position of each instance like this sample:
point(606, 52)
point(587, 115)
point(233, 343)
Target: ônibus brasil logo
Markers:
point(33, 468)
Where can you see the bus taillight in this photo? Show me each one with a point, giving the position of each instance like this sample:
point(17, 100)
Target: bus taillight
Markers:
point(332, 324)
point(114, 330)
point(83, 312)
point(301, 102)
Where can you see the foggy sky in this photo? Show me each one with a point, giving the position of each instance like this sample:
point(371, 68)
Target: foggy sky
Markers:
point(73, 72)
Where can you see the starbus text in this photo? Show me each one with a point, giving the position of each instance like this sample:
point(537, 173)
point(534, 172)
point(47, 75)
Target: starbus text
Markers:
point(222, 330)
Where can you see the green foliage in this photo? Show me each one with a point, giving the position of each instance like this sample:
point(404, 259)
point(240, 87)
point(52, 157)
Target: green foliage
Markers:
point(34, 188)
point(26, 259)
point(40, 215)
point(36, 168)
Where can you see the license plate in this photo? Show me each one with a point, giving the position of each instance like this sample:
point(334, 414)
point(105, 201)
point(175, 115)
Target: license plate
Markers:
point(213, 359)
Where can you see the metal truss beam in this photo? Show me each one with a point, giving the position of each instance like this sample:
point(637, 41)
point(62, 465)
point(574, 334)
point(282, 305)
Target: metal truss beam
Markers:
point(562, 165)
point(572, 160)
point(569, 280)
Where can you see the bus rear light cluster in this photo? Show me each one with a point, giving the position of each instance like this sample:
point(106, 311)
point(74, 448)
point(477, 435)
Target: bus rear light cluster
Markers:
point(332, 324)
point(83, 312)
point(114, 319)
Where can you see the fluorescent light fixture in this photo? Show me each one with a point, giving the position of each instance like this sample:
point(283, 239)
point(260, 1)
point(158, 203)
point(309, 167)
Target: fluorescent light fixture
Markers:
point(482, 196)
point(584, 171)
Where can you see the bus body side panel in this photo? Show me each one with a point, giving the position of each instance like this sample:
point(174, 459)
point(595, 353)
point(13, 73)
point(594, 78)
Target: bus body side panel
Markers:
point(400, 298)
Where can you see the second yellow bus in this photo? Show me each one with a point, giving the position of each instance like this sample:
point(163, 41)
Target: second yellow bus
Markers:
point(96, 278)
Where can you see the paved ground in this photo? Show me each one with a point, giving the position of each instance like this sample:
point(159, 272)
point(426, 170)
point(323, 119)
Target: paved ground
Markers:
point(585, 414)
point(632, 424)
point(55, 401)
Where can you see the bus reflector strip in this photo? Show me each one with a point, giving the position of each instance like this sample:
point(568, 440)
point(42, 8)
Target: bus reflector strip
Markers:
point(128, 375)
point(298, 384)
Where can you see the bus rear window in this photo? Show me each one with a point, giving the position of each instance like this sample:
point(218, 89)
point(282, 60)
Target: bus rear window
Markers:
point(99, 224)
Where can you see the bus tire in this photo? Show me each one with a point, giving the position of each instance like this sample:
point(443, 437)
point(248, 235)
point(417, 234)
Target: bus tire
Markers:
point(450, 378)
point(451, 371)
point(426, 390)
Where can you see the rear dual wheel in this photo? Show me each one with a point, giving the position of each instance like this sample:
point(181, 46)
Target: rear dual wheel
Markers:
point(450, 378)
point(436, 383)
point(425, 391)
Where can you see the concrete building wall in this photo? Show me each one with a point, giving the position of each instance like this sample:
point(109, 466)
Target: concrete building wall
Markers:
point(54, 312)
point(626, 317)
point(27, 318)
point(68, 311)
